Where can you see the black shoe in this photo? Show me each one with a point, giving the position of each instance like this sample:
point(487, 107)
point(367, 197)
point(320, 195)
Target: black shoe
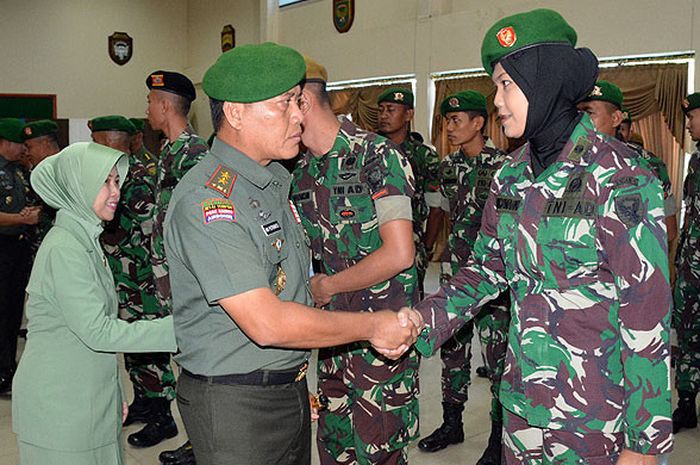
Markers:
point(139, 410)
point(6, 384)
point(492, 454)
point(159, 428)
point(450, 432)
point(482, 372)
point(183, 455)
point(686, 415)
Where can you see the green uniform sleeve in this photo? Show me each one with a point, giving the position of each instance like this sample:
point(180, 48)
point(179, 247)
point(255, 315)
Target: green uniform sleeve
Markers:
point(87, 315)
point(220, 253)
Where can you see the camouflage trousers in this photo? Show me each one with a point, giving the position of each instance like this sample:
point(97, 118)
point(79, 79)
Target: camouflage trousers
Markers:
point(529, 445)
point(492, 326)
point(686, 321)
point(151, 373)
point(373, 406)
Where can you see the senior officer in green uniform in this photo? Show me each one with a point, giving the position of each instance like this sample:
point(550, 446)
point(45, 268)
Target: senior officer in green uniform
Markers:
point(574, 229)
point(170, 97)
point(239, 266)
point(396, 109)
point(604, 106)
point(40, 142)
point(16, 217)
point(353, 190)
point(686, 315)
point(465, 178)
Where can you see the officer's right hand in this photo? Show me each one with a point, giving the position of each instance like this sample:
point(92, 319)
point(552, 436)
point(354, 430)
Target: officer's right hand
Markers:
point(395, 332)
point(30, 215)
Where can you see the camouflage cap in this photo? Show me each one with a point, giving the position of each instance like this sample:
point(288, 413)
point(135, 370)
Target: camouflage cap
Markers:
point(170, 81)
point(111, 123)
point(691, 102)
point(466, 100)
point(315, 71)
point(605, 91)
point(524, 30)
point(138, 123)
point(42, 127)
point(254, 72)
point(397, 95)
point(11, 129)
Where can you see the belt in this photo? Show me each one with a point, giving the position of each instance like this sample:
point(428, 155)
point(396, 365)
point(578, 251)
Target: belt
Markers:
point(12, 237)
point(256, 378)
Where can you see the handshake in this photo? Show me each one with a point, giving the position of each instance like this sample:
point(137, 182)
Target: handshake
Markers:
point(394, 333)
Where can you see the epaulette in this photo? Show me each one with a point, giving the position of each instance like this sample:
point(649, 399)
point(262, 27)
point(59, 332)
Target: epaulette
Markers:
point(222, 180)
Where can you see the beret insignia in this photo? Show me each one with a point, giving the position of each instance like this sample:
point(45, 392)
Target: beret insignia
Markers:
point(507, 37)
point(28, 131)
point(157, 80)
point(596, 92)
point(398, 96)
point(685, 103)
point(454, 102)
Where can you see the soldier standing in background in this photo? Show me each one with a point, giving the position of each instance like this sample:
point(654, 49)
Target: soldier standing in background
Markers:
point(16, 217)
point(395, 114)
point(353, 190)
point(169, 99)
point(686, 315)
point(465, 178)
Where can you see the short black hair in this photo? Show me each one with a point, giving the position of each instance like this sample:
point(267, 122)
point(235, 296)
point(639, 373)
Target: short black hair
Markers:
point(319, 89)
point(216, 108)
point(182, 105)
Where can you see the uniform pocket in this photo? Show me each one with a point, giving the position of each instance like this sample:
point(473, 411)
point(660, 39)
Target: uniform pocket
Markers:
point(567, 248)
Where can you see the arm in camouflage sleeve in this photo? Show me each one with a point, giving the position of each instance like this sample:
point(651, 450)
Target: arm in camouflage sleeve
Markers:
point(481, 280)
point(633, 237)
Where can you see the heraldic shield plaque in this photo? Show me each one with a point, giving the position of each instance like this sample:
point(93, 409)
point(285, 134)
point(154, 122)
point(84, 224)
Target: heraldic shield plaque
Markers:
point(343, 14)
point(120, 47)
point(228, 38)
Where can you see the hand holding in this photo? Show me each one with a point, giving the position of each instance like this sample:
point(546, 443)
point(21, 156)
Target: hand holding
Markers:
point(628, 457)
point(395, 332)
point(319, 289)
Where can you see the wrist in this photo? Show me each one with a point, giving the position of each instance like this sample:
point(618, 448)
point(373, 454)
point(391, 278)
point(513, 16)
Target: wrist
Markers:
point(328, 285)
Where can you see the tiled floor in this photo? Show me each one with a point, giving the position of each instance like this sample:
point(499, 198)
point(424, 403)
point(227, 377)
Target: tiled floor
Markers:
point(476, 427)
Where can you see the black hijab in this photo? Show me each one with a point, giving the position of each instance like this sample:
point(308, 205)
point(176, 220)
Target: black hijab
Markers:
point(554, 78)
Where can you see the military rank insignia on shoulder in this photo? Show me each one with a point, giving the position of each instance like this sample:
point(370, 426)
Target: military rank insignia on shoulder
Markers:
point(222, 180)
point(218, 210)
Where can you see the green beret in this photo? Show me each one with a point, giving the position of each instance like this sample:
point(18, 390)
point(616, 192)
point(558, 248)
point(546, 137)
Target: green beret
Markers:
point(605, 91)
point(466, 100)
point(11, 129)
point(397, 95)
point(691, 102)
point(626, 115)
point(254, 72)
point(170, 81)
point(111, 123)
point(541, 26)
point(138, 123)
point(42, 127)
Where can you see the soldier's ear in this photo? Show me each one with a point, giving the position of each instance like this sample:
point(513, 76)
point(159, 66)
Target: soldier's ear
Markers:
point(409, 114)
point(233, 114)
point(617, 118)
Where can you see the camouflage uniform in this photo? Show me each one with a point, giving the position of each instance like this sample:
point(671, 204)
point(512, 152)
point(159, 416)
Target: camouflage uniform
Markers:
point(425, 164)
point(464, 184)
point(686, 316)
point(658, 166)
point(583, 252)
point(127, 244)
point(176, 158)
point(46, 218)
point(373, 412)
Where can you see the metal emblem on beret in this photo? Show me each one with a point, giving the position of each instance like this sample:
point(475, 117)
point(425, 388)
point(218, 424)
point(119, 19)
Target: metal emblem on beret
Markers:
point(453, 102)
point(398, 96)
point(596, 92)
point(120, 47)
point(343, 14)
point(625, 115)
point(157, 80)
point(228, 38)
point(507, 37)
point(630, 209)
point(27, 131)
point(685, 103)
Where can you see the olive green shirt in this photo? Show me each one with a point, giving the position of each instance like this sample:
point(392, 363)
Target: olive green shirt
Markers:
point(230, 228)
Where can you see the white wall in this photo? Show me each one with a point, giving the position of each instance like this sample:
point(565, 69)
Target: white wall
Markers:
point(423, 36)
point(60, 47)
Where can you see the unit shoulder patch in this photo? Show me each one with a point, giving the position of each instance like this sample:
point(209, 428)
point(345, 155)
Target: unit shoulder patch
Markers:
point(217, 209)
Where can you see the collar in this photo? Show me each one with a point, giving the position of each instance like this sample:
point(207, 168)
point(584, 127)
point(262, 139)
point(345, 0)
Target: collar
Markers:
point(251, 170)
